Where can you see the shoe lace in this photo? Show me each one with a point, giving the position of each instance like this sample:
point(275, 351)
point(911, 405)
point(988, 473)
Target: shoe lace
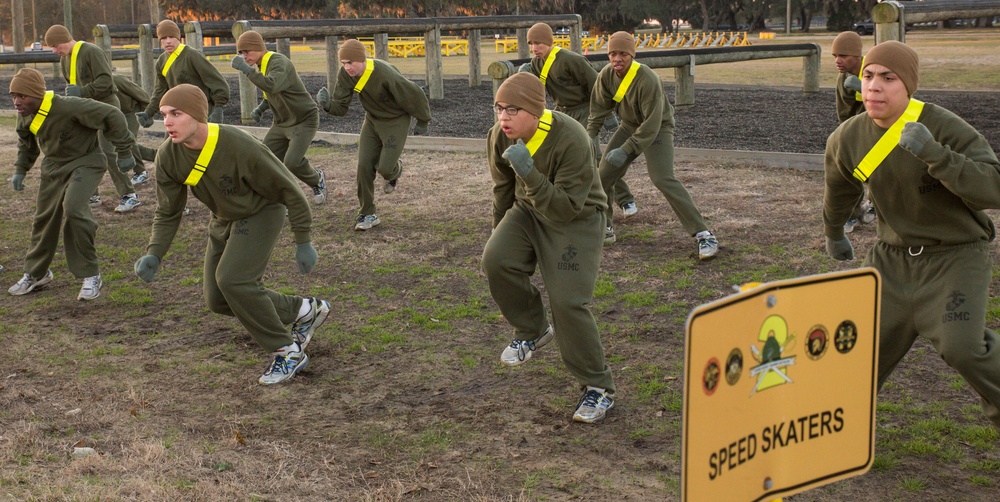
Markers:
point(90, 283)
point(27, 279)
point(590, 399)
point(280, 365)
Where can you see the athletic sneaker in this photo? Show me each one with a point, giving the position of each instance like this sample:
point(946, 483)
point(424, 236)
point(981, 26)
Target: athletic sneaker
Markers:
point(28, 284)
point(287, 362)
point(139, 178)
point(319, 191)
point(708, 245)
point(868, 216)
point(849, 226)
point(304, 327)
point(520, 351)
point(129, 203)
point(91, 288)
point(390, 186)
point(594, 404)
point(630, 209)
point(95, 200)
point(609, 235)
point(366, 221)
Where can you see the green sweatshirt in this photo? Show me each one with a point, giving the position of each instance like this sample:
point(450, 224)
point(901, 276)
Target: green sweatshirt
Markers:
point(570, 80)
point(847, 105)
point(387, 95)
point(936, 199)
point(290, 102)
point(242, 177)
point(190, 67)
point(132, 96)
point(93, 74)
point(68, 137)
point(564, 180)
point(643, 111)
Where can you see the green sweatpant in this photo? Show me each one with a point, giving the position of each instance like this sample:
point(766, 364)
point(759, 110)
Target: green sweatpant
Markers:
point(941, 295)
point(290, 144)
point(235, 261)
point(379, 148)
point(122, 181)
point(139, 152)
point(623, 194)
point(660, 166)
point(59, 196)
point(568, 256)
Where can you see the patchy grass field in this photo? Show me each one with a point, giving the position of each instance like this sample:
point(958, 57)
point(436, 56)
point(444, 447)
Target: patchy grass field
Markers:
point(405, 398)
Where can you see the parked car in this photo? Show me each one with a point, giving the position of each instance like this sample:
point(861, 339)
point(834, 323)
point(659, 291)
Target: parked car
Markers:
point(867, 27)
point(564, 31)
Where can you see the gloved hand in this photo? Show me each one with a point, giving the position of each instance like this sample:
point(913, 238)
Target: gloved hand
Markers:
point(525, 68)
point(17, 182)
point(611, 123)
point(852, 83)
point(146, 267)
point(616, 158)
point(240, 64)
point(126, 163)
point(215, 116)
point(840, 250)
point(519, 158)
point(305, 257)
point(259, 111)
point(323, 99)
point(420, 128)
point(144, 119)
point(73, 90)
point(915, 137)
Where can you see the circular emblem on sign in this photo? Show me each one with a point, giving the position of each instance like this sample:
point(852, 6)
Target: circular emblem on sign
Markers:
point(816, 342)
point(734, 366)
point(710, 378)
point(847, 336)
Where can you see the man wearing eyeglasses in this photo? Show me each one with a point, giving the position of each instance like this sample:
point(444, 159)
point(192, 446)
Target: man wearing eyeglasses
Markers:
point(635, 92)
point(296, 118)
point(389, 100)
point(548, 212)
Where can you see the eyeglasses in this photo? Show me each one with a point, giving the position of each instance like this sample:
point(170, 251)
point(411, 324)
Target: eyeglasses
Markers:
point(511, 110)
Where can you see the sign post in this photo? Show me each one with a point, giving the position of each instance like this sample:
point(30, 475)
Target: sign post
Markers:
point(779, 390)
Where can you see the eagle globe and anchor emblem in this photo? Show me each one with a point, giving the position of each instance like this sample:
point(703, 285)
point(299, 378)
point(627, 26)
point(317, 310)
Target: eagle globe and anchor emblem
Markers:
point(772, 369)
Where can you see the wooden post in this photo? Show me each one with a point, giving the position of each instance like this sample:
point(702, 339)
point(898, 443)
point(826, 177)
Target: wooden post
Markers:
point(382, 46)
point(499, 71)
point(147, 63)
point(522, 44)
point(102, 39)
point(684, 89)
point(248, 91)
point(193, 35)
point(17, 31)
point(810, 73)
point(284, 47)
point(332, 62)
point(435, 79)
point(475, 65)
point(888, 17)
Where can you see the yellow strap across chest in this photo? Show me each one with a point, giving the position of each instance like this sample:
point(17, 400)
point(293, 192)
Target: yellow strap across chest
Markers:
point(887, 142)
point(369, 67)
point(544, 126)
point(263, 66)
point(626, 82)
point(43, 111)
point(201, 165)
point(172, 58)
point(72, 62)
point(548, 64)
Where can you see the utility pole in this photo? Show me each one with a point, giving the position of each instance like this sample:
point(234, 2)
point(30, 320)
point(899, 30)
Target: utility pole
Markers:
point(68, 15)
point(17, 25)
point(788, 16)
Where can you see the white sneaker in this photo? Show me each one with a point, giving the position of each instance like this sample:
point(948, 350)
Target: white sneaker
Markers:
point(630, 209)
point(520, 351)
point(367, 221)
point(304, 327)
point(594, 404)
point(708, 245)
point(95, 200)
point(129, 203)
point(287, 362)
point(319, 191)
point(850, 225)
point(28, 284)
point(91, 288)
point(140, 178)
point(609, 235)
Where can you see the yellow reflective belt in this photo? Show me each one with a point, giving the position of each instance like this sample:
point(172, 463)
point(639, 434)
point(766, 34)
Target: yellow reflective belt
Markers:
point(544, 126)
point(548, 64)
point(626, 82)
point(72, 63)
point(263, 66)
point(43, 111)
point(887, 142)
point(369, 66)
point(201, 165)
point(172, 58)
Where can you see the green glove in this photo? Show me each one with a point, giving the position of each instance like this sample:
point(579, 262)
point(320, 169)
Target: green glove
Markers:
point(240, 64)
point(323, 98)
point(915, 137)
point(852, 83)
point(17, 182)
point(420, 128)
point(840, 250)
point(305, 257)
point(73, 90)
point(616, 158)
point(144, 119)
point(146, 267)
point(126, 162)
point(519, 158)
point(215, 116)
point(525, 68)
point(611, 123)
point(259, 111)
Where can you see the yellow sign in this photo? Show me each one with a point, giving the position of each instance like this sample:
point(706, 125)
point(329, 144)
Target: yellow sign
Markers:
point(779, 389)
